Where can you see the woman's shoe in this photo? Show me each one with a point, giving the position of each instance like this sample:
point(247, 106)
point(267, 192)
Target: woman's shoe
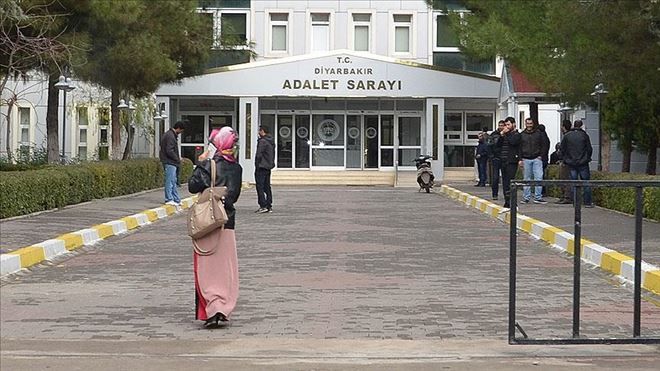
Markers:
point(212, 321)
point(218, 320)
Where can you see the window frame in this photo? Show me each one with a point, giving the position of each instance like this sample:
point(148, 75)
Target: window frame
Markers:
point(310, 29)
point(79, 143)
point(217, 26)
point(352, 24)
point(412, 40)
point(466, 113)
point(269, 32)
point(22, 126)
point(446, 133)
point(451, 49)
point(103, 126)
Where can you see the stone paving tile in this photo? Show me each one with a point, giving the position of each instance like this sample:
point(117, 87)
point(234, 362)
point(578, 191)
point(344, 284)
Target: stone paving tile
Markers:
point(331, 262)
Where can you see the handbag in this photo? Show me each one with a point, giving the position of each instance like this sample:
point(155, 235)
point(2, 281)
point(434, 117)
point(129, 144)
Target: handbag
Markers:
point(208, 212)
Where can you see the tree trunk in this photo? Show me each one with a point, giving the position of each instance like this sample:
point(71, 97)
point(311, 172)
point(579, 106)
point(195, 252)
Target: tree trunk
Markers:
point(52, 130)
point(129, 141)
point(115, 125)
point(10, 106)
point(607, 143)
point(625, 162)
point(652, 157)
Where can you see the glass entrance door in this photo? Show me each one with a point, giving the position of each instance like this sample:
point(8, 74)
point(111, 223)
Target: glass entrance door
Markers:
point(354, 142)
point(370, 140)
point(284, 141)
point(301, 148)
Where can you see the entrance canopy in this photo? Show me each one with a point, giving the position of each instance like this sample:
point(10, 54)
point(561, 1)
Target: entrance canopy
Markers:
point(340, 73)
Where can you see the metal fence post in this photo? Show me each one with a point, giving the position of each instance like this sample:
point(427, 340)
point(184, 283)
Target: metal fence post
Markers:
point(638, 260)
point(577, 243)
point(512, 261)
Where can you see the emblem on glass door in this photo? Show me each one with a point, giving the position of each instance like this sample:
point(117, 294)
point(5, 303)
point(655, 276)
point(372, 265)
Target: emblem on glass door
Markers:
point(328, 130)
point(353, 132)
point(285, 131)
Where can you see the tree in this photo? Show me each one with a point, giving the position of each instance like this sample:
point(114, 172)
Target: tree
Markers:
point(568, 46)
point(30, 38)
point(138, 45)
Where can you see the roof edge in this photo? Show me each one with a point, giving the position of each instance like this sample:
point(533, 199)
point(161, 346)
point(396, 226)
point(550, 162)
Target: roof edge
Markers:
point(371, 56)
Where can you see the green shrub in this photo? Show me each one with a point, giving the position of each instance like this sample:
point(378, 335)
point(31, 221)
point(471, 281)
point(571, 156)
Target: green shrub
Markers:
point(616, 198)
point(54, 186)
point(186, 170)
point(28, 191)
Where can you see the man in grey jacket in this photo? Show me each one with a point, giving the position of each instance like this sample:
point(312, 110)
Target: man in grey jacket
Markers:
point(264, 162)
point(169, 157)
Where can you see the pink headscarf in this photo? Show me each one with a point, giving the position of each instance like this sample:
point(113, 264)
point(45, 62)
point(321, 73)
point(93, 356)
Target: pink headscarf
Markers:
point(224, 141)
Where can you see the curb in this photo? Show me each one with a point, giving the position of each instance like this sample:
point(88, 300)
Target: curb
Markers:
point(609, 260)
point(28, 256)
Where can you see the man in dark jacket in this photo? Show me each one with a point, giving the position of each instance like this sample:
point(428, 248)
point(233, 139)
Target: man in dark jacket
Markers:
point(532, 147)
point(481, 155)
point(545, 155)
point(494, 153)
point(564, 172)
point(169, 157)
point(509, 147)
point(576, 150)
point(264, 162)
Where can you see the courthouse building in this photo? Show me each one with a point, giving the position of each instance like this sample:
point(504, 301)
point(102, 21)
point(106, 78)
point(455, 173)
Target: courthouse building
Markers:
point(343, 85)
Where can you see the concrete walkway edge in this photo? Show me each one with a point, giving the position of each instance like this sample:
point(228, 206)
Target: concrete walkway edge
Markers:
point(607, 259)
point(28, 256)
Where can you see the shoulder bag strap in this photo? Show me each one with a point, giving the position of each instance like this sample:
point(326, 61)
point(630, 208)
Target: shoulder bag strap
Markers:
point(213, 170)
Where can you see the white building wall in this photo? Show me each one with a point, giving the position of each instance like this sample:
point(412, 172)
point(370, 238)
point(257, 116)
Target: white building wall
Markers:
point(33, 93)
point(341, 13)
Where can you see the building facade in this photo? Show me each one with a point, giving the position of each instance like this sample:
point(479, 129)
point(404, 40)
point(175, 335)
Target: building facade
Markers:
point(342, 85)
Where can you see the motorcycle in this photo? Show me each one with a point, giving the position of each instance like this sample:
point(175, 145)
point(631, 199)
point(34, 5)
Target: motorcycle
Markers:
point(424, 173)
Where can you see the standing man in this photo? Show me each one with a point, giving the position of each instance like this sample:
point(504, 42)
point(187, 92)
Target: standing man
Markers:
point(532, 145)
point(481, 155)
point(576, 150)
point(264, 163)
point(494, 153)
point(545, 155)
point(169, 157)
point(509, 146)
point(564, 172)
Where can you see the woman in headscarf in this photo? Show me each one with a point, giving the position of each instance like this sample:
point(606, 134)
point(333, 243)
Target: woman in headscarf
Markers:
point(216, 275)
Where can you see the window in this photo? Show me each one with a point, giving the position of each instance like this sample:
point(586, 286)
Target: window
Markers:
point(229, 20)
point(82, 132)
point(445, 36)
point(104, 121)
point(461, 130)
point(453, 127)
point(320, 32)
point(279, 28)
point(362, 32)
point(24, 121)
point(402, 33)
point(233, 28)
point(446, 52)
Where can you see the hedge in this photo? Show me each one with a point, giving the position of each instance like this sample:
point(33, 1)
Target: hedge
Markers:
point(55, 186)
point(615, 198)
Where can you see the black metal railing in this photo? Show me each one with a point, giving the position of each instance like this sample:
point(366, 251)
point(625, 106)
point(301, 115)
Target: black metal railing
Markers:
point(577, 187)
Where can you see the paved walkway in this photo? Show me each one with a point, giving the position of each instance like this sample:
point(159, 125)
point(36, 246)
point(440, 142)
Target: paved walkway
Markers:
point(27, 230)
point(606, 227)
point(335, 275)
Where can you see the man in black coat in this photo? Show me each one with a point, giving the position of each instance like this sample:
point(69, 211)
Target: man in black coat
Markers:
point(564, 172)
point(509, 147)
point(494, 157)
point(576, 150)
point(264, 162)
point(169, 157)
